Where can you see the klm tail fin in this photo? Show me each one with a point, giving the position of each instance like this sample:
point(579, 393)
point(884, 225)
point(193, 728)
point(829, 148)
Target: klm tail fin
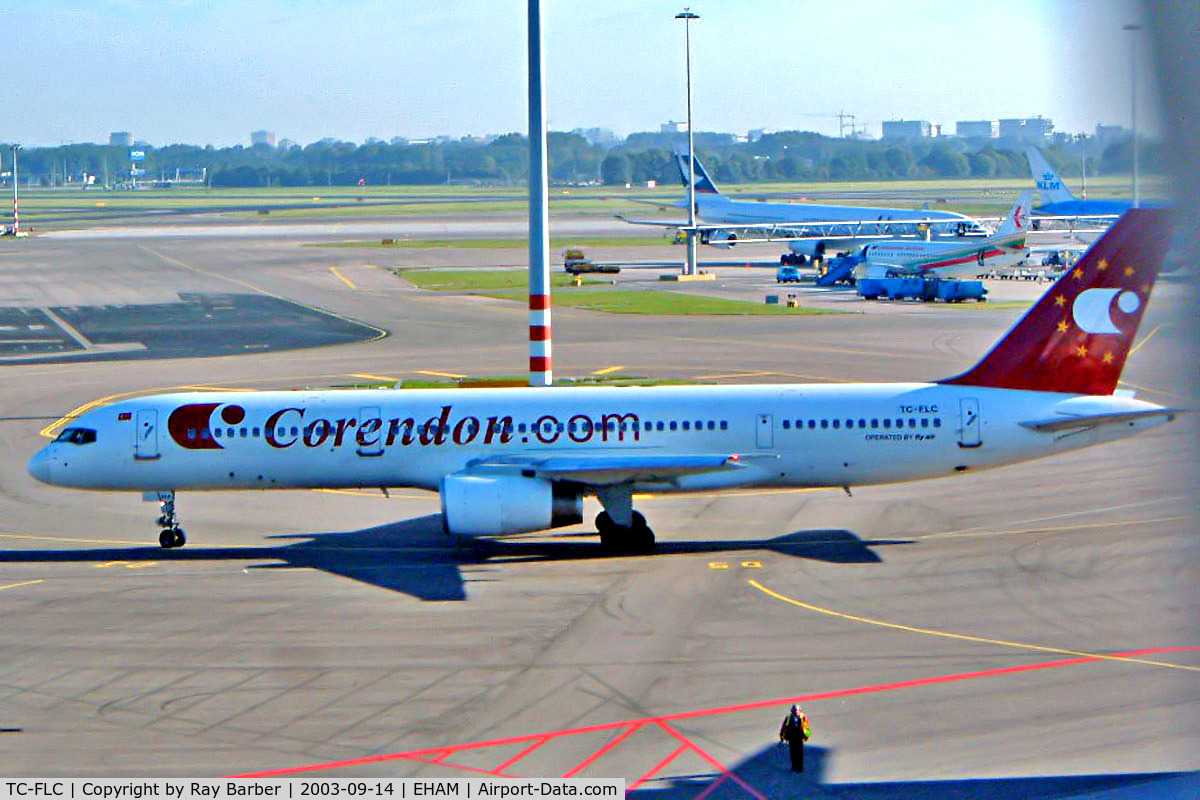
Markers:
point(704, 184)
point(1050, 187)
point(1076, 337)
point(1017, 220)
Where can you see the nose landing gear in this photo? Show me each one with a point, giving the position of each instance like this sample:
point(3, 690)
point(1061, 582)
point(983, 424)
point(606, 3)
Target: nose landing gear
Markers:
point(171, 535)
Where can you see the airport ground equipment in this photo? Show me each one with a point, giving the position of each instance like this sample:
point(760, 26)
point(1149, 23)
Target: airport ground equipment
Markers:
point(787, 275)
point(839, 269)
point(925, 289)
point(576, 263)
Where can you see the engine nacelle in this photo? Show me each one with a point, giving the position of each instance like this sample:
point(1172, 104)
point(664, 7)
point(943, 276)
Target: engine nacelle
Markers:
point(490, 505)
point(722, 239)
point(809, 248)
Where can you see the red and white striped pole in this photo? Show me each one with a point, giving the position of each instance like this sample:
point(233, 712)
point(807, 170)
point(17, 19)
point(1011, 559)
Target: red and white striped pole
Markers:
point(541, 372)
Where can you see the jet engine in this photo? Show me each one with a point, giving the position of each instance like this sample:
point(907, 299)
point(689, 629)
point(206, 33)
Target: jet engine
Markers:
point(490, 505)
point(809, 248)
point(722, 239)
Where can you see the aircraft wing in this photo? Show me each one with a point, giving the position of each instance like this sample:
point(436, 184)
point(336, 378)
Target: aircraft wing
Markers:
point(607, 470)
point(1072, 422)
point(810, 230)
point(660, 222)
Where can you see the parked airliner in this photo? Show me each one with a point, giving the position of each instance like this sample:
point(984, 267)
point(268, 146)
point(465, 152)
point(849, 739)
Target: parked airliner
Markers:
point(951, 258)
point(812, 228)
point(523, 459)
point(1059, 201)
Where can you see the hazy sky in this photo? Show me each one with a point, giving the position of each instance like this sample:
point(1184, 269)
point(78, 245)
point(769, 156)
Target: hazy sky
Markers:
point(212, 71)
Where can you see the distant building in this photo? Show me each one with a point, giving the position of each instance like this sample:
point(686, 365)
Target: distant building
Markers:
point(906, 129)
point(262, 137)
point(754, 134)
point(673, 127)
point(987, 128)
point(120, 139)
point(287, 144)
point(1108, 133)
point(1026, 129)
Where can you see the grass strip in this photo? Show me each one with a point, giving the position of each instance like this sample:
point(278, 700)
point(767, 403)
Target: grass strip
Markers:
point(626, 301)
point(478, 280)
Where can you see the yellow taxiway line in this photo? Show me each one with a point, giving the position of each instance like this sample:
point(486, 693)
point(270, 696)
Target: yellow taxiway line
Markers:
point(369, 377)
point(22, 583)
point(337, 274)
point(66, 539)
point(962, 636)
point(438, 374)
point(609, 370)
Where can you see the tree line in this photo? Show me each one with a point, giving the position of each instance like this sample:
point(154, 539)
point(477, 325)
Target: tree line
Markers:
point(783, 156)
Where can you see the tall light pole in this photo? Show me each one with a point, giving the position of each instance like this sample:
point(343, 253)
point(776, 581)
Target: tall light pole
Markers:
point(541, 372)
point(1133, 29)
point(16, 217)
point(690, 267)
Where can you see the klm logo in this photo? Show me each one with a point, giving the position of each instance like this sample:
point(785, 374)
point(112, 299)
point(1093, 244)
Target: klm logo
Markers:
point(1049, 182)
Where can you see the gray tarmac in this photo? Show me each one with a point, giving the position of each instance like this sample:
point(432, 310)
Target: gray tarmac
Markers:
point(1029, 631)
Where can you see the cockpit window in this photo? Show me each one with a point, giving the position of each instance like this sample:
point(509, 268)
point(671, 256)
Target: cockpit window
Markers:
point(77, 436)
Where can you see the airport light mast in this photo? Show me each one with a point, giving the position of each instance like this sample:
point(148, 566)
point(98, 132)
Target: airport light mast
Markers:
point(541, 372)
point(690, 267)
point(1133, 28)
point(16, 217)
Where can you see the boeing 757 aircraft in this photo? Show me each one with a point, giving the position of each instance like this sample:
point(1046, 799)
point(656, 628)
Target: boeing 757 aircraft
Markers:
point(513, 460)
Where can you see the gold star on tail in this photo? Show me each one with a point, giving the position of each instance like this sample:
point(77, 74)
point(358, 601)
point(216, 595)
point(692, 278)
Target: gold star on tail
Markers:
point(1102, 265)
point(1060, 300)
point(1129, 271)
point(1081, 351)
point(1077, 274)
point(1108, 358)
point(1063, 326)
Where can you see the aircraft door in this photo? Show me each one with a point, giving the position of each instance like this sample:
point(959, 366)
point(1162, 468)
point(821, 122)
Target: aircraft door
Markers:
point(968, 432)
point(145, 444)
point(764, 431)
point(369, 438)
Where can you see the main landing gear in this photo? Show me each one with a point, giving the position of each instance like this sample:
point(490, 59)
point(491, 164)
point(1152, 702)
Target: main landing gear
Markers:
point(171, 535)
point(622, 530)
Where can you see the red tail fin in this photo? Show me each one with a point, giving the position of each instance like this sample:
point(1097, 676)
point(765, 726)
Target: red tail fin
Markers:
point(1076, 337)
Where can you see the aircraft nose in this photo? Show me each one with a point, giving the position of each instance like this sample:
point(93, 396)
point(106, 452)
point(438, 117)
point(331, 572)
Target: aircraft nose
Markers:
point(39, 465)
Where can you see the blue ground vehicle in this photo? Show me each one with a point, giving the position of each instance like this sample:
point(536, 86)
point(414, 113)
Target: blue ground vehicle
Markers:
point(787, 275)
point(917, 288)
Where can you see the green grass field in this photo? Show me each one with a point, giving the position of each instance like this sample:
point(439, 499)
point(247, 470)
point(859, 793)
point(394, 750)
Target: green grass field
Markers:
point(626, 301)
point(510, 284)
point(479, 281)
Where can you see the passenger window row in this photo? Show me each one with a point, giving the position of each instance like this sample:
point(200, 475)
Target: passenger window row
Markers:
point(875, 423)
point(229, 433)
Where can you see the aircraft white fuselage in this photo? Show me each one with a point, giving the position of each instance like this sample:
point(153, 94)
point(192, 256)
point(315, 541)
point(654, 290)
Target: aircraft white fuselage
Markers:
point(859, 434)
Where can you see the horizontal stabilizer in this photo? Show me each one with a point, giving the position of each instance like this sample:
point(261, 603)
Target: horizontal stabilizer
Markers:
point(1073, 421)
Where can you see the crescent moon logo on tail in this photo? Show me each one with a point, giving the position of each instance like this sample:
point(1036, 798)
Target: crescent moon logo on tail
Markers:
point(1092, 309)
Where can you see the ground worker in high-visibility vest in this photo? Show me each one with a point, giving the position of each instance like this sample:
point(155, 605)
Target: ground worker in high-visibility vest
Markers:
point(795, 731)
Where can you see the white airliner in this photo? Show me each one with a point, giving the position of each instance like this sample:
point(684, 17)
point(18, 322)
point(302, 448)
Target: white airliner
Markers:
point(951, 258)
point(812, 228)
point(514, 460)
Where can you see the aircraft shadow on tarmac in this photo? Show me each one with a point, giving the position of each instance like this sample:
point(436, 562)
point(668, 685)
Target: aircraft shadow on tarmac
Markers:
point(769, 773)
point(416, 558)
